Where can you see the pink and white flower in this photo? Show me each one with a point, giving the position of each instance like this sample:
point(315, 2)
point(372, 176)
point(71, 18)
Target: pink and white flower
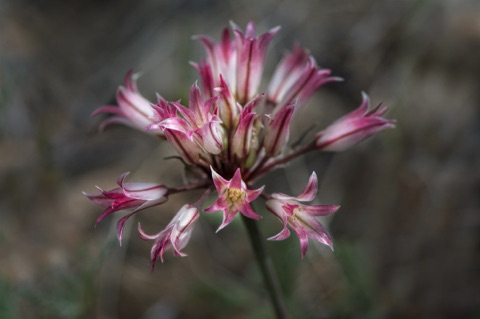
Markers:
point(239, 61)
point(233, 197)
point(136, 195)
point(175, 236)
point(199, 122)
point(353, 127)
point(301, 218)
point(296, 78)
point(132, 110)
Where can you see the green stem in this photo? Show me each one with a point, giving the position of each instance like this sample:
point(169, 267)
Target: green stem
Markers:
point(266, 267)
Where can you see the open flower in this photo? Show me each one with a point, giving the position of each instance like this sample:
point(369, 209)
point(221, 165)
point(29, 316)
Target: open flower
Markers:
point(129, 195)
point(301, 218)
point(176, 235)
point(353, 127)
point(233, 197)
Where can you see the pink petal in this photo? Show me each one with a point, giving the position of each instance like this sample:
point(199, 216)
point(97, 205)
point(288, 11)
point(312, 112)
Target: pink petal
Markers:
point(212, 135)
point(188, 150)
point(236, 181)
point(286, 74)
point(228, 217)
point(188, 115)
point(317, 232)
point(342, 136)
point(206, 77)
point(247, 211)
point(220, 183)
point(276, 208)
point(144, 191)
point(278, 131)
point(282, 235)
point(307, 195)
point(143, 235)
point(243, 135)
point(101, 200)
point(182, 228)
point(123, 220)
point(135, 107)
point(114, 120)
point(140, 190)
point(161, 244)
point(110, 210)
point(310, 190)
point(303, 237)
point(112, 109)
point(319, 210)
point(219, 205)
point(252, 194)
point(228, 110)
point(131, 80)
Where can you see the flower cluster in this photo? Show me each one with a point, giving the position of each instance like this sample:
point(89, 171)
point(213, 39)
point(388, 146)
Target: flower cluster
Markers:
point(232, 133)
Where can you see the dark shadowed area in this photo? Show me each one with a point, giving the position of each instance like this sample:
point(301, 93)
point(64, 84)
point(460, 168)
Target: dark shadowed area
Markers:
point(406, 237)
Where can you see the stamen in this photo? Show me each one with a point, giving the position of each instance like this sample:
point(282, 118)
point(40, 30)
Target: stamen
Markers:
point(234, 194)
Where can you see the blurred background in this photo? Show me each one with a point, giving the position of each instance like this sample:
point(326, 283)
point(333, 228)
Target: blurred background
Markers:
point(406, 238)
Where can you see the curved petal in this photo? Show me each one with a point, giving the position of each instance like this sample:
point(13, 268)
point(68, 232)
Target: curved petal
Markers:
point(217, 206)
point(123, 220)
point(143, 235)
point(220, 183)
point(303, 238)
point(282, 235)
point(308, 193)
point(317, 232)
point(117, 207)
point(353, 127)
point(278, 130)
point(252, 194)
point(144, 191)
point(247, 211)
point(310, 190)
point(228, 217)
point(318, 210)
point(236, 181)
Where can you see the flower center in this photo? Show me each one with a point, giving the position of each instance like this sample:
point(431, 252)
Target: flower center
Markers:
point(234, 194)
point(293, 215)
point(296, 210)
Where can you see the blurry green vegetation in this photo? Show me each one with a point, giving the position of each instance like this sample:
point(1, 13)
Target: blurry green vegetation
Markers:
point(72, 293)
point(286, 256)
point(223, 296)
point(361, 291)
point(8, 300)
point(61, 293)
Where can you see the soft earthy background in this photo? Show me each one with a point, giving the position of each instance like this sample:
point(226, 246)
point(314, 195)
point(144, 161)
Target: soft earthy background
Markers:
point(407, 235)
